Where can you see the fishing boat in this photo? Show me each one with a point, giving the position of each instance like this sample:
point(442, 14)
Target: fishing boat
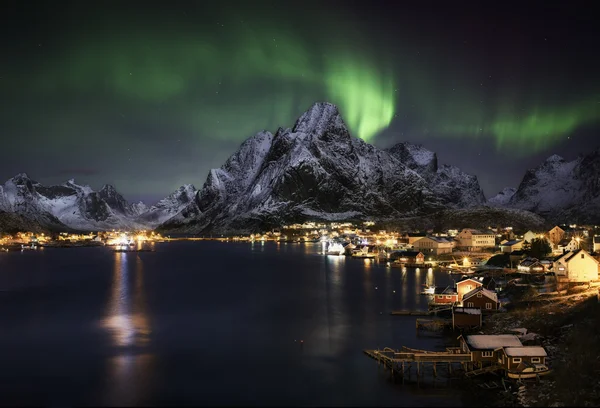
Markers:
point(335, 249)
point(428, 290)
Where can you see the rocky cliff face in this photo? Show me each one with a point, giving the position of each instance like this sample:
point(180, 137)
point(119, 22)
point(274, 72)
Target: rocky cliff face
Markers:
point(317, 170)
point(562, 191)
point(502, 198)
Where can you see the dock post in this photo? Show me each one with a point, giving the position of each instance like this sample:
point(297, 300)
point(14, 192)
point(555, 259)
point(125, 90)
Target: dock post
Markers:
point(434, 370)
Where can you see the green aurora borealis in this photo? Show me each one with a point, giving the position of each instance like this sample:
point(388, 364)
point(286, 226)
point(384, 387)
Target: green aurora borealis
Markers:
point(207, 81)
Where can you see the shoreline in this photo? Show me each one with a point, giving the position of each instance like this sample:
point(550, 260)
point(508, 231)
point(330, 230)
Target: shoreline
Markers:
point(569, 332)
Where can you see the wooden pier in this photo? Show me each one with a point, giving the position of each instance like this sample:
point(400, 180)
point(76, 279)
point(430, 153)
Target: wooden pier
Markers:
point(401, 362)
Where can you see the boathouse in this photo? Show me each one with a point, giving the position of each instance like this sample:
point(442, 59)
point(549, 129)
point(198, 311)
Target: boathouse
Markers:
point(466, 318)
point(410, 257)
point(484, 348)
point(512, 357)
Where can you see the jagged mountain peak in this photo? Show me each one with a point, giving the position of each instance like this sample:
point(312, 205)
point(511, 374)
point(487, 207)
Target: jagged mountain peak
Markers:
point(316, 170)
point(21, 178)
point(555, 158)
point(321, 118)
point(108, 188)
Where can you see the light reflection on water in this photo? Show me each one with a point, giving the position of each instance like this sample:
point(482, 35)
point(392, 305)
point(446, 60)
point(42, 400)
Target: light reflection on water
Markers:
point(128, 324)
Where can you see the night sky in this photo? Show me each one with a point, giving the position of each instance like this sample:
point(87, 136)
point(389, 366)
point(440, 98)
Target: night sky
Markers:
point(150, 96)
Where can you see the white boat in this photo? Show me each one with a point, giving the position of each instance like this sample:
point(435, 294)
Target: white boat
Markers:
point(532, 371)
point(363, 253)
point(335, 249)
point(428, 289)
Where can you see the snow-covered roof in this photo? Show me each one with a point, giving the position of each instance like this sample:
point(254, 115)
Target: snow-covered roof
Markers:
point(492, 342)
point(467, 279)
point(486, 292)
point(468, 310)
point(525, 351)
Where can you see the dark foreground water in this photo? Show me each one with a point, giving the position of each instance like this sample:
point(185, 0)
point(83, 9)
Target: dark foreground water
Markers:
point(207, 323)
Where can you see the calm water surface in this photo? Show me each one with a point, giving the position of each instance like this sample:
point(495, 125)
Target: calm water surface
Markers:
point(207, 323)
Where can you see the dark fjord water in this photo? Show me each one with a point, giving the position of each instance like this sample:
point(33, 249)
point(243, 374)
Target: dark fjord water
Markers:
point(207, 323)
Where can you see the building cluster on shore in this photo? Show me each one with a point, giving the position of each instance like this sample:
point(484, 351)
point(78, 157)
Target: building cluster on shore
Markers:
point(28, 240)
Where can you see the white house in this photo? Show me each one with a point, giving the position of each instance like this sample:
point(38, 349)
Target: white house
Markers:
point(567, 244)
point(509, 246)
point(529, 236)
point(474, 240)
point(434, 245)
point(596, 244)
point(577, 266)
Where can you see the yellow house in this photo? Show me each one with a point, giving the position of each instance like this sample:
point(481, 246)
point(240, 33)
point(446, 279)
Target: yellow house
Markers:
point(473, 239)
point(434, 245)
point(577, 266)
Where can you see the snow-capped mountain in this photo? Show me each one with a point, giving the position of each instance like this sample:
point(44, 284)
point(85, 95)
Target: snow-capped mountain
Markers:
point(168, 207)
point(316, 170)
point(69, 206)
point(502, 198)
point(562, 191)
point(454, 187)
point(66, 206)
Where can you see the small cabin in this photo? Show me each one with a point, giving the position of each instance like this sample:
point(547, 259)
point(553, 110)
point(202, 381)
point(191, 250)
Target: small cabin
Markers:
point(517, 358)
point(466, 318)
point(482, 298)
point(465, 286)
point(444, 296)
point(410, 257)
point(484, 348)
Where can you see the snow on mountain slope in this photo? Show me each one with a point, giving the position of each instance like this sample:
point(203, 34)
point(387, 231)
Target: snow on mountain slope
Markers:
point(563, 191)
point(552, 186)
point(317, 170)
point(454, 187)
point(67, 206)
point(502, 198)
point(169, 207)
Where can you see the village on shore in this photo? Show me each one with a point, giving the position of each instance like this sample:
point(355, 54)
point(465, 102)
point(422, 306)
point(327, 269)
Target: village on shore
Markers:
point(513, 304)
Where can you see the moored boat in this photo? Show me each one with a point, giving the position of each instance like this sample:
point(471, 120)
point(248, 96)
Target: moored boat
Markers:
point(335, 249)
point(531, 371)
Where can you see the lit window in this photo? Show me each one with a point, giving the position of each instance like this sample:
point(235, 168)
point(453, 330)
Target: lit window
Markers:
point(488, 305)
point(517, 360)
point(535, 360)
point(487, 354)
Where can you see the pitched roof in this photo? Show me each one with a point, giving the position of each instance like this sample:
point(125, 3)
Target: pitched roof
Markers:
point(578, 251)
point(468, 279)
point(444, 291)
point(565, 241)
point(525, 351)
point(511, 243)
point(493, 342)
point(441, 240)
point(409, 253)
point(486, 292)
